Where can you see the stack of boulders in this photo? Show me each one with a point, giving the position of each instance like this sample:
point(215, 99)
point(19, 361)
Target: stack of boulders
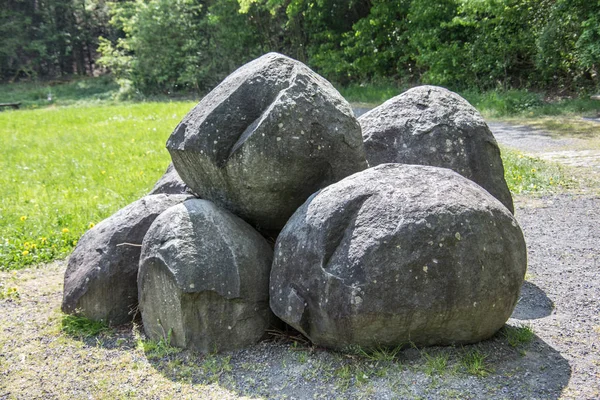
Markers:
point(421, 247)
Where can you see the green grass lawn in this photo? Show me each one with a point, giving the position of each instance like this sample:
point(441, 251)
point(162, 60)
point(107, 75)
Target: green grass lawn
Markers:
point(65, 168)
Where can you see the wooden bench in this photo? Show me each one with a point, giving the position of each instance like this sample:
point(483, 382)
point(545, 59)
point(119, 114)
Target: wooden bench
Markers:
point(13, 105)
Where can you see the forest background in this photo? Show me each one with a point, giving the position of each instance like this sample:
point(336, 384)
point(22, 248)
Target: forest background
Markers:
point(188, 46)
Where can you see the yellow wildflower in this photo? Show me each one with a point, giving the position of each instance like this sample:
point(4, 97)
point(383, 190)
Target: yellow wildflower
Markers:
point(33, 246)
point(23, 218)
point(91, 225)
point(25, 252)
point(103, 172)
point(65, 230)
point(26, 245)
point(43, 240)
point(74, 242)
point(532, 169)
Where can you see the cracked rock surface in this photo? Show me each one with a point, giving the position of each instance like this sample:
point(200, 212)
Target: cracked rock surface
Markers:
point(203, 277)
point(398, 254)
point(270, 135)
point(100, 280)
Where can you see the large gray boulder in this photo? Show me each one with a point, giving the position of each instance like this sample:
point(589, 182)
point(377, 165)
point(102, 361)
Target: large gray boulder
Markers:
point(398, 254)
point(204, 279)
point(100, 280)
point(430, 125)
point(170, 183)
point(271, 134)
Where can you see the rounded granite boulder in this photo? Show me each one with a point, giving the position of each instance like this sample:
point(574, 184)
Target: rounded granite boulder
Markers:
point(260, 143)
point(430, 125)
point(204, 279)
point(398, 254)
point(101, 276)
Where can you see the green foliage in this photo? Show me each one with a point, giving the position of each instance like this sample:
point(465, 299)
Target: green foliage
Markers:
point(81, 327)
point(181, 45)
point(518, 335)
point(374, 93)
point(49, 38)
point(66, 169)
point(163, 46)
point(569, 45)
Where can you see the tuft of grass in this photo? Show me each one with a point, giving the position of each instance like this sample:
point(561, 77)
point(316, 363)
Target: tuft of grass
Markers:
point(526, 174)
point(350, 374)
point(156, 349)
point(81, 327)
point(518, 335)
point(379, 353)
point(474, 363)
point(66, 169)
point(214, 366)
point(436, 364)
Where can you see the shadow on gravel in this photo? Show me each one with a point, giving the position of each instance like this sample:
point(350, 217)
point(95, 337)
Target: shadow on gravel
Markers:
point(493, 369)
point(533, 303)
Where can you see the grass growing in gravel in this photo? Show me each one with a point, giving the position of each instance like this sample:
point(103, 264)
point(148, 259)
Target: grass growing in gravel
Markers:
point(518, 335)
point(66, 169)
point(474, 362)
point(78, 326)
point(436, 364)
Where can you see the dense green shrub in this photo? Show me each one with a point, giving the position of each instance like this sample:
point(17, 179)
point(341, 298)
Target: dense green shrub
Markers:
point(162, 46)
